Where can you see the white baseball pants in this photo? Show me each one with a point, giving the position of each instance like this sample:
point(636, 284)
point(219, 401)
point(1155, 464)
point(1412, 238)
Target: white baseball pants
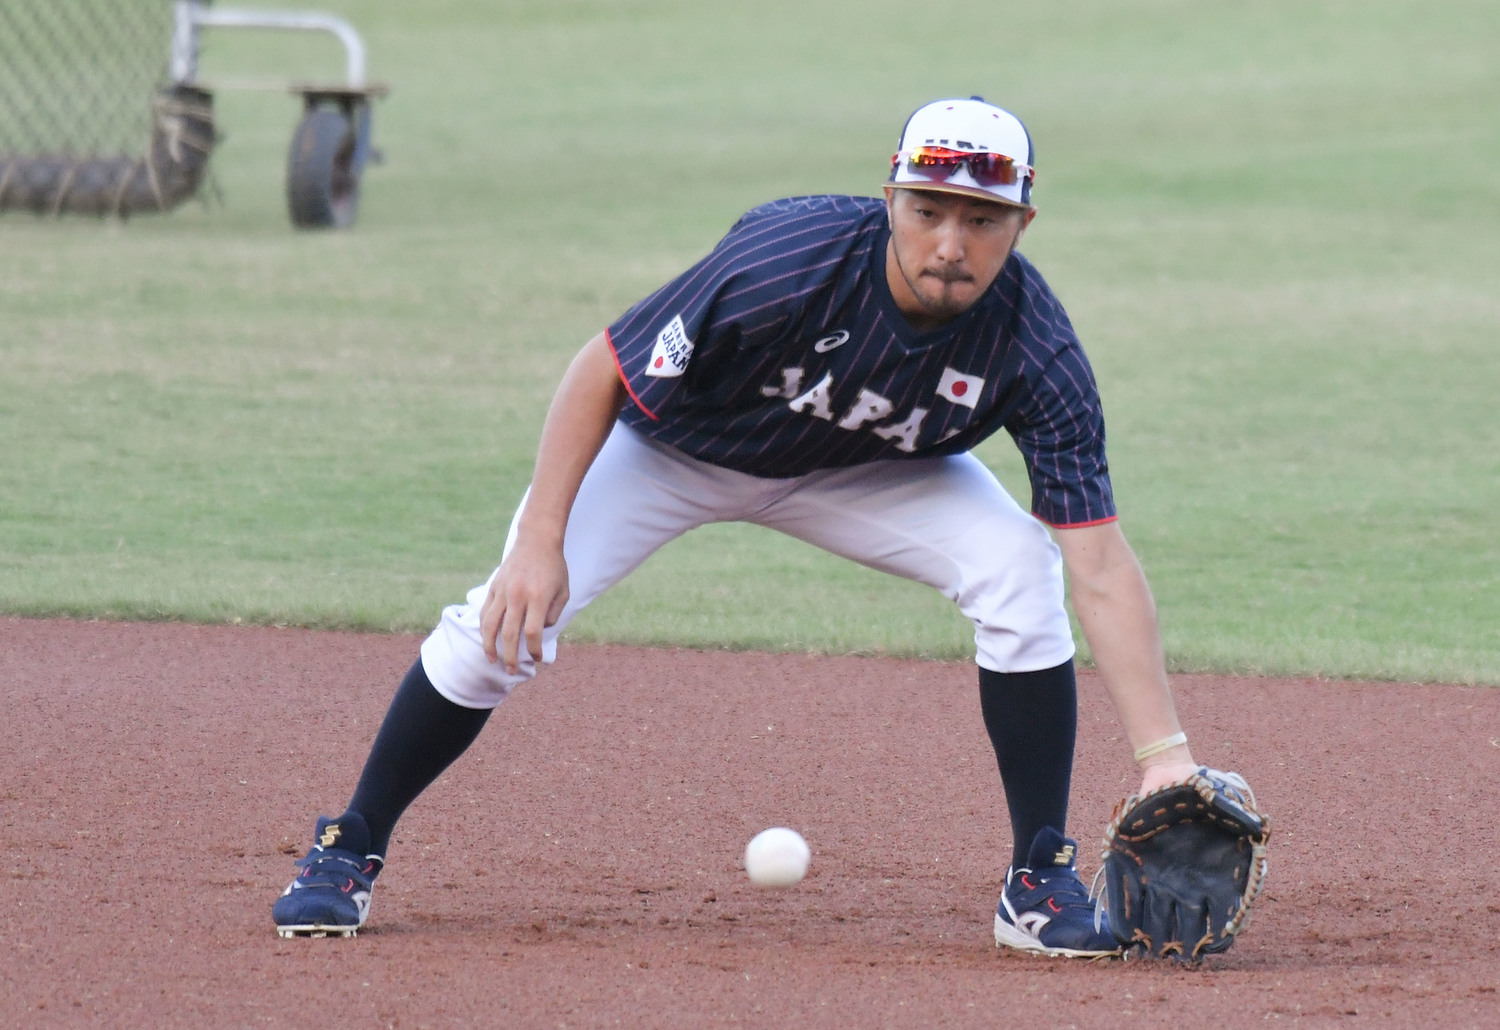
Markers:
point(946, 522)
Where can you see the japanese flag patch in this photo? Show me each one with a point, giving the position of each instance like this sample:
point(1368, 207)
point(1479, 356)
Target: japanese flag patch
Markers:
point(669, 358)
point(957, 388)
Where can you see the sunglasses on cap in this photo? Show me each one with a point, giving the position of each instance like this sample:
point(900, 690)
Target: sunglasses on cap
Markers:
point(940, 163)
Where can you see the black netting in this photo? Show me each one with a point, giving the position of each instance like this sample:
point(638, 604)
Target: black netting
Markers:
point(88, 120)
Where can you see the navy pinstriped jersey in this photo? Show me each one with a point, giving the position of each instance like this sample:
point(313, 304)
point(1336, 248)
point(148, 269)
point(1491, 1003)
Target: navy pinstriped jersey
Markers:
point(783, 352)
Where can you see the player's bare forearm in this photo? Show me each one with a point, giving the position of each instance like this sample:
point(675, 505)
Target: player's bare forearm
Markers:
point(580, 418)
point(530, 589)
point(1114, 606)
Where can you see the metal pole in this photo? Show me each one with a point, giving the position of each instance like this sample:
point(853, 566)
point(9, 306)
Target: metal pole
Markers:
point(299, 21)
point(185, 40)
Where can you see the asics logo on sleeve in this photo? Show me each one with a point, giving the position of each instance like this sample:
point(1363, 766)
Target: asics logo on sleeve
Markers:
point(828, 343)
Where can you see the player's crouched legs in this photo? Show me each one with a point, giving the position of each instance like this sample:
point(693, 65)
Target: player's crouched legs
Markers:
point(331, 895)
point(1021, 623)
point(437, 712)
point(457, 666)
point(421, 735)
point(1032, 721)
point(1016, 599)
point(1044, 907)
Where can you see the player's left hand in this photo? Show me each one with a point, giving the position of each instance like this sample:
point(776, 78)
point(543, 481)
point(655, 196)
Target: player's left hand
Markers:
point(1183, 864)
point(1154, 777)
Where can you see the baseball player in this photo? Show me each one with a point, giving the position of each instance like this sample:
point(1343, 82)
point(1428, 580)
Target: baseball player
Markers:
point(825, 372)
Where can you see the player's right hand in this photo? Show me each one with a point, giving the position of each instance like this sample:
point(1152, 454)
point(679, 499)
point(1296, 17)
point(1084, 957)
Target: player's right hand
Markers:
point(527, 594)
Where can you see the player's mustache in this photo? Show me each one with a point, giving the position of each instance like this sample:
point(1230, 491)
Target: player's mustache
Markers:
point(950, 274)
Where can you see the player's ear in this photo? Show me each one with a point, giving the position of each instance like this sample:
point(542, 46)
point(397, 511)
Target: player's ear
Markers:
point(890, 205)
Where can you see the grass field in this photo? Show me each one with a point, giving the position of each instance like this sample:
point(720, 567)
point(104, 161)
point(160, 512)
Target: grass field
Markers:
point(1276, 227)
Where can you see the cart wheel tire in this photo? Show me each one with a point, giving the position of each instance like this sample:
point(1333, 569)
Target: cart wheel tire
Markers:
point(322, 178)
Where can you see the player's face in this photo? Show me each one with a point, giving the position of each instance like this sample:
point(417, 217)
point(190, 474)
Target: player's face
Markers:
point(946, 250)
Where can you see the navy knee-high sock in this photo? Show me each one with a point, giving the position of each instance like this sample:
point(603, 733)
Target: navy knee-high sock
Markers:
point(422, 734)
point(1032, 719)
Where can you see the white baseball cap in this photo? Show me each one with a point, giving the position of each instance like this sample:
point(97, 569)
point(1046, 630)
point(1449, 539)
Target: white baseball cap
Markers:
point(967, 147)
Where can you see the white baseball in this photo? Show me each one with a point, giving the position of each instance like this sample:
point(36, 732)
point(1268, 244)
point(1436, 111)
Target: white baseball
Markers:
point(777, 857)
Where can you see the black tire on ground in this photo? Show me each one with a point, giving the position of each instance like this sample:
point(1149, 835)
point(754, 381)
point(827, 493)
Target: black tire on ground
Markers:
point(322, 176)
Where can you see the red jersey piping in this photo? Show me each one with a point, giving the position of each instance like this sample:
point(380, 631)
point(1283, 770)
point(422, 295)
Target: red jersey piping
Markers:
point(1071, 525)
point(626, 379)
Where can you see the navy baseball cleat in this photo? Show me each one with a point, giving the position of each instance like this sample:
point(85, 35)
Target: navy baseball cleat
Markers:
point(331, 896)
point(1045, 908)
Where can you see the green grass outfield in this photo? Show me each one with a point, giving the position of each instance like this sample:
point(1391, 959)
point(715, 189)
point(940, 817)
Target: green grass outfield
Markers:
point(1276, 227)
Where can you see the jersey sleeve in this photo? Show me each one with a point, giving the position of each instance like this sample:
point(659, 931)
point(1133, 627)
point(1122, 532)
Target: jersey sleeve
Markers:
point(1061, 433)
point(673, 342)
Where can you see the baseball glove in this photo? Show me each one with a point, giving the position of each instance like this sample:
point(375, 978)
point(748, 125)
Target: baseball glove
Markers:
point(1183, 864)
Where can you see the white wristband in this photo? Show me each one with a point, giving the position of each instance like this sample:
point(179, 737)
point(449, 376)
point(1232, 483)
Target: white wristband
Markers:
point(1164, 744)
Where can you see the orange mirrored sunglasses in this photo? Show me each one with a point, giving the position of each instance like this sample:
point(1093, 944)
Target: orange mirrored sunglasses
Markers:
point(940, 163)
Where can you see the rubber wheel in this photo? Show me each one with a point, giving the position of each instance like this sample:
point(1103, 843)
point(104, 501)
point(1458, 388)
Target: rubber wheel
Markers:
point(322, 179)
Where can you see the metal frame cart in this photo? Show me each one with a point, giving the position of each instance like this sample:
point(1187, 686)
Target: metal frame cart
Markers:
point(332, 142)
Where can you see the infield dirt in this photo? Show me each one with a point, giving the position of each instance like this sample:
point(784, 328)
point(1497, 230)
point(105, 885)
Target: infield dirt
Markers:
point(580, 867)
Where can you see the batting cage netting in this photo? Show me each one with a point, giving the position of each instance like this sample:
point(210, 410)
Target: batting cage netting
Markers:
point(89, 119)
